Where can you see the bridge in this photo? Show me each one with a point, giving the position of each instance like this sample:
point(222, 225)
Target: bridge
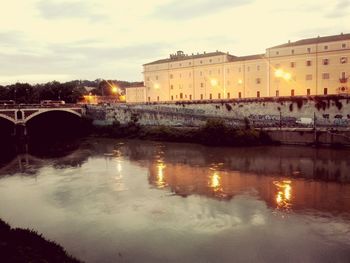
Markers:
point(20, 114)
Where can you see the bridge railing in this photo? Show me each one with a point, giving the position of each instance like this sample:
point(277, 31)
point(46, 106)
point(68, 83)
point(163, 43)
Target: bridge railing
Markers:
point(38, 106)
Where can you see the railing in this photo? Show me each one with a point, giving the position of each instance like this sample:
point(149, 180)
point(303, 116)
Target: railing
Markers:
point(38, 106)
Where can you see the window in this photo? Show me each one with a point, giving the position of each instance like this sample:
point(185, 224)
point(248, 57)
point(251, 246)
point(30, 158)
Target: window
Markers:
point(308, 50)
point(156, 77)
point(181, 95)
point(201, 62)
point(228, 71)
point(210, 96)
point(248, 68)
point(190, 63)
point(180, 64)
point(172, 97)
point(180, 75)
point(171, 86)
point(200, 73)
point(325, 47)
point(201, 96)
point(147, 79)
point(157, 98)
point(171, 76)
point(308, 77)
point(210, 60)
point(277, 93)
point(185, 96)
point(258, 81)
point(292, 92)
point(308, 63)
point(190, 74)
point(228, 95)
point(325, 91)
point(277, 52)
point(258, 94)
point(239, 69)
point(343, 60)
point(202, 85)
point(258, 68)
point(149, 99)
point(325, 75)
point(218, 71)
point(219, 95)
point(190, 97)
point(343, 75)
point(292, 51)
point(239, 95)
point(343, 45)
point(228, 83)
point(325, 61)
point(308, 92)
point(209, 72)
point(292, 64)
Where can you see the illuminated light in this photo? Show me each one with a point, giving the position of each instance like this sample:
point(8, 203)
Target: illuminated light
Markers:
point(114, 89)
point(287, 191)
point(213, 82)
point(160, 175)
point(156, 86)
point(119, 167)
point(122, 98)
point(240, 81)
point(287, 76)
point(215, 182)
point(279, 197)
point(279, 73)
point(284, 195)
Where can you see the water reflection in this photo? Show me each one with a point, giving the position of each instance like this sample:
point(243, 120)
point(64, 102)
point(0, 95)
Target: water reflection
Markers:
point(152, 202)
point(283, 195)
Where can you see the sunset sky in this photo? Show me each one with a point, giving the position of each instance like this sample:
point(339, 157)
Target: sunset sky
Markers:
point(44, 40)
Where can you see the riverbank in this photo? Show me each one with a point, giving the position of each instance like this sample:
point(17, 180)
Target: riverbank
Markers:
point(214, 133)
point(22, 245)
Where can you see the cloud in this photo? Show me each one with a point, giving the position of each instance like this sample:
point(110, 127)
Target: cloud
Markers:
point(11, 38)
point(176, 10)
point(78, 61)
point(341, 9)
point(74, 9)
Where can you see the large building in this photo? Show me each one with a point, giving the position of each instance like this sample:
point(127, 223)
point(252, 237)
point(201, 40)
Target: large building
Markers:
point(315, 66)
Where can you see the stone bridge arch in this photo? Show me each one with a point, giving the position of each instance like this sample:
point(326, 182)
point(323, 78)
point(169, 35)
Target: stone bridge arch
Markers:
point(6, 117)
point(39, 112)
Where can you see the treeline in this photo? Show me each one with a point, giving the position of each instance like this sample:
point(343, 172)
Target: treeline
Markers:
point(70, 92)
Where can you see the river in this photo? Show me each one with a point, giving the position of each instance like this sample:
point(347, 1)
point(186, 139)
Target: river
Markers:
point(138, 201)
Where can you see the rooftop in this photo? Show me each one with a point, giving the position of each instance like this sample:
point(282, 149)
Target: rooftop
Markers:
point(315, 40)
point(180, 56)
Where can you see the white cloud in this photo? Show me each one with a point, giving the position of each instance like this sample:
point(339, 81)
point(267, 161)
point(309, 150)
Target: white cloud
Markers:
point(100, 38)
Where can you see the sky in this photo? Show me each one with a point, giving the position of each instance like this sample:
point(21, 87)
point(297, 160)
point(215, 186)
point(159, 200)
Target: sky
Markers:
point(46, 40)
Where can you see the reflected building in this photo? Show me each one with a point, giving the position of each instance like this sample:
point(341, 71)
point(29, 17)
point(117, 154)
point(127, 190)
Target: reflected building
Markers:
point(281, 194)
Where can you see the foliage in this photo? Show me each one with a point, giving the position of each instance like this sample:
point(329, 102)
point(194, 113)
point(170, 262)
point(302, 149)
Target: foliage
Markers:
point(215, 133)
point(21, 245)
point(70, 92)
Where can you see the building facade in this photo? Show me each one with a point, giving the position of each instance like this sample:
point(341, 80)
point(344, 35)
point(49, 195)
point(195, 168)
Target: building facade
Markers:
point(315, 66)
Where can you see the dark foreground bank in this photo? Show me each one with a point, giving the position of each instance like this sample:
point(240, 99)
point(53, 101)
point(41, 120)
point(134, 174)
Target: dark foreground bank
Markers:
point(21, 245)
point(214, 133)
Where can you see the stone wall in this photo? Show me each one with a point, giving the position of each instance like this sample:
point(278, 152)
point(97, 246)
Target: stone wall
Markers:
point(330, 111)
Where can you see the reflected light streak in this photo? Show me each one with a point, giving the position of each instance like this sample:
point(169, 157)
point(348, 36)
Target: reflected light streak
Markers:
point(284, 194)
point(160, 175)
point(215, 182)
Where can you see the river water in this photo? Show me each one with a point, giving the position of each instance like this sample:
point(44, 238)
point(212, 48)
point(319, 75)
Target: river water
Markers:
point(138, 201)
